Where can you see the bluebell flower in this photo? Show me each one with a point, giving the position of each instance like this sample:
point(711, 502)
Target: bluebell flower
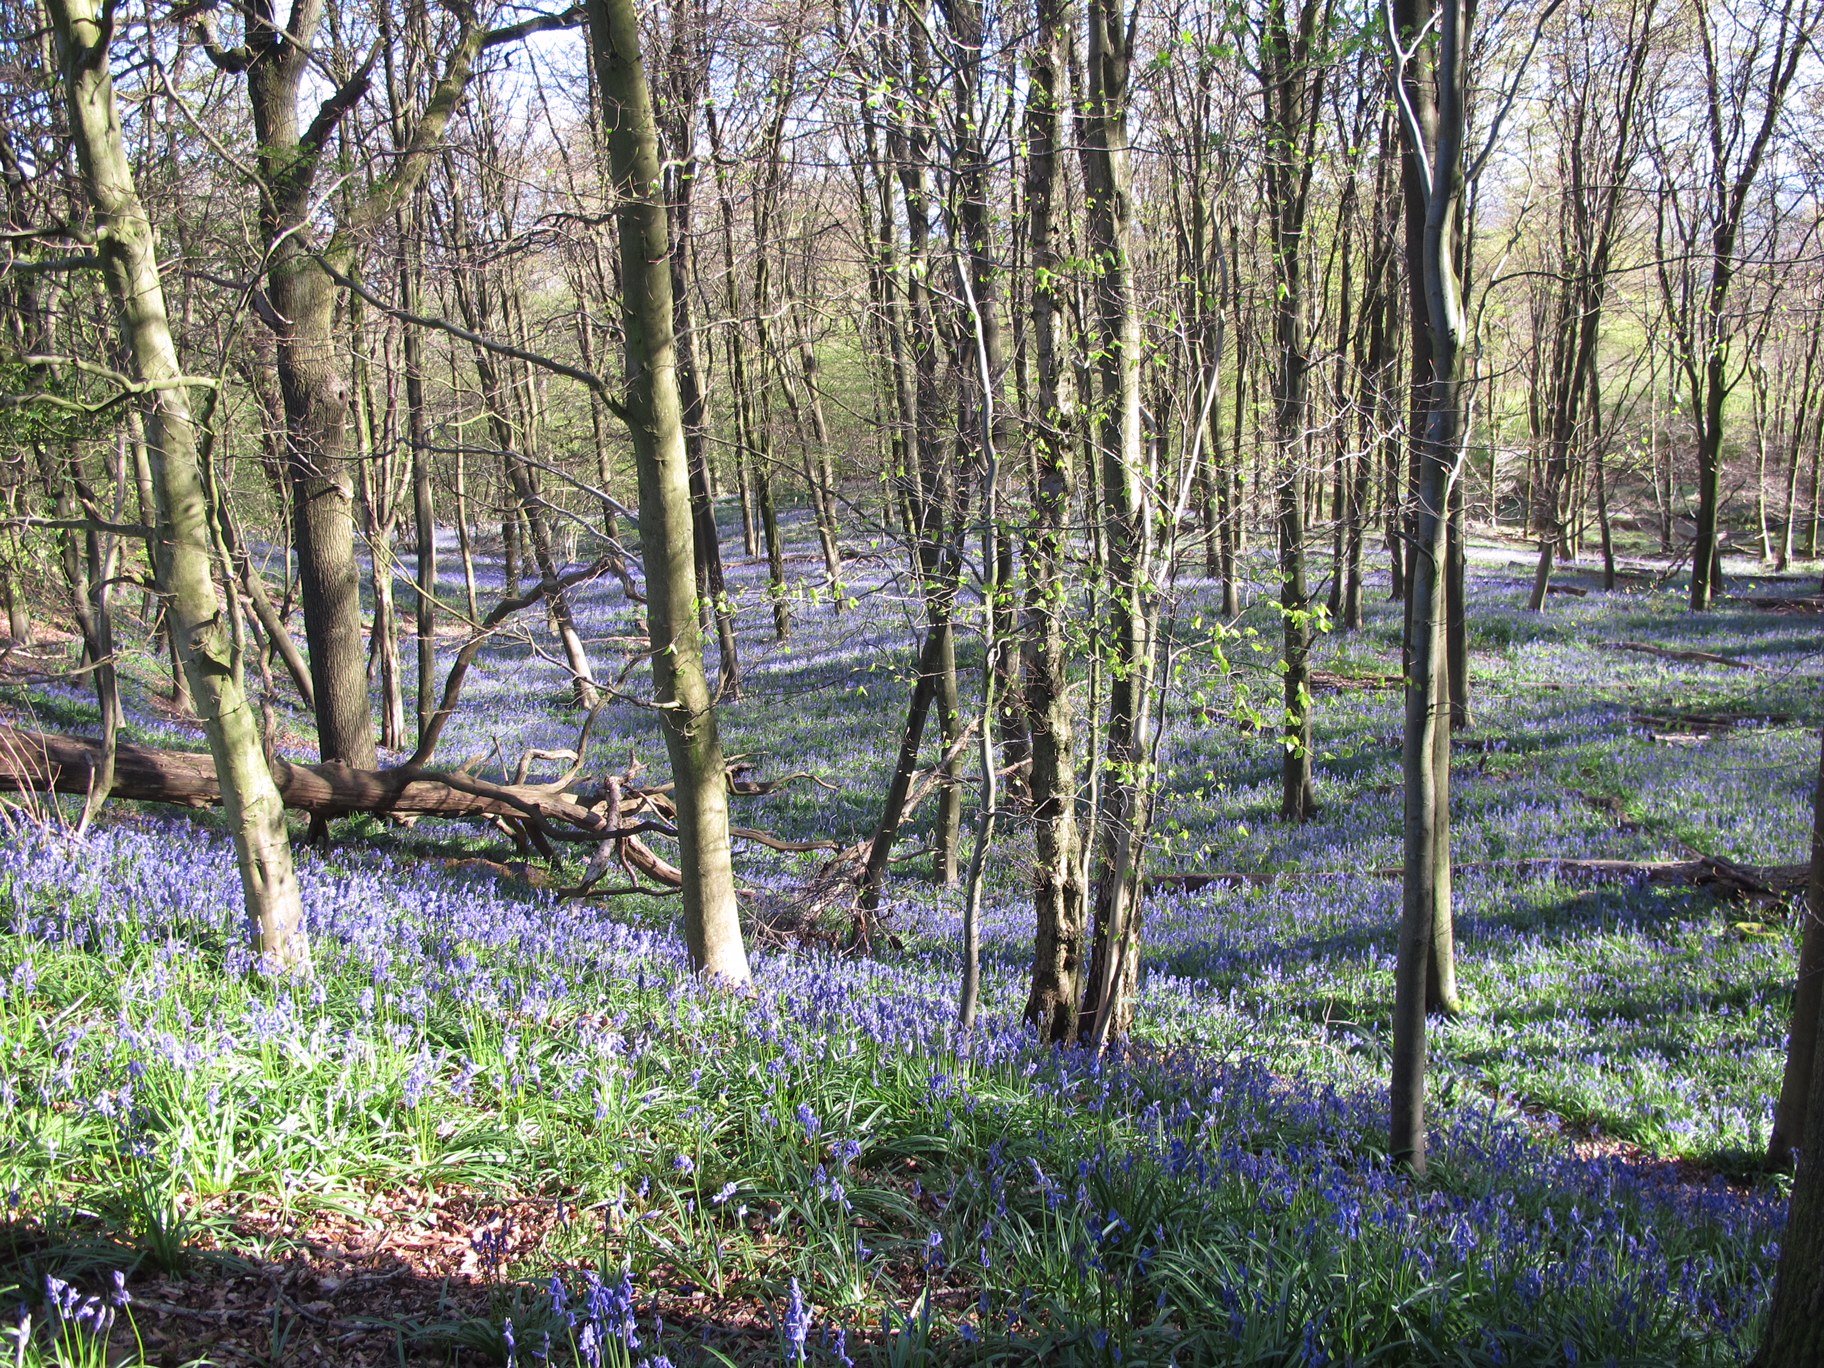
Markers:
point(797, 1324)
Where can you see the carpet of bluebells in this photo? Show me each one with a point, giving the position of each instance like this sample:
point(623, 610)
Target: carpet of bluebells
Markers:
point(825, 1172)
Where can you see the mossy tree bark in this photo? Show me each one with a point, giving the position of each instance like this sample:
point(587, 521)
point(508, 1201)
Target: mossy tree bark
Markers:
point(128, 251)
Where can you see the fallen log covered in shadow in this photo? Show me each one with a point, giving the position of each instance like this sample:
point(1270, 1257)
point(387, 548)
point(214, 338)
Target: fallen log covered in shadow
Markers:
point(1722, 877)
point(1690, 657)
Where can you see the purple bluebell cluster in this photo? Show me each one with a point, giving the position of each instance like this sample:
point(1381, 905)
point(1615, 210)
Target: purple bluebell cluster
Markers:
point(1215, 1191)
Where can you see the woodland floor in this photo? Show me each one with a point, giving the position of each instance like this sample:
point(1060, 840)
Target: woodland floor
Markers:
point(487, 1089)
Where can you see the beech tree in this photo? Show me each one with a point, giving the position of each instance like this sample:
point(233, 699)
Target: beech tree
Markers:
point(1433, 129)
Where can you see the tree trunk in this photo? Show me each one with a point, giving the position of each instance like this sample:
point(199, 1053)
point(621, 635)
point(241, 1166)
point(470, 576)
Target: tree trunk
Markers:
point(681, 179)
point(1795, 1326)
point(315, 394)
point(712, 924)
point(1127, 522)
point(1434, 129)
point(18, 612)
point(374, 496)
point(1292, 92)
point(918, 708)
point(127, 248)
point(1790, 1115)
point(753, 442)
point(424, 518)
point(1057, 955)
point(1456, 605)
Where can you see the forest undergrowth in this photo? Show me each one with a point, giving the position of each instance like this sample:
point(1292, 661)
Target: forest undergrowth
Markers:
point(502, 1127)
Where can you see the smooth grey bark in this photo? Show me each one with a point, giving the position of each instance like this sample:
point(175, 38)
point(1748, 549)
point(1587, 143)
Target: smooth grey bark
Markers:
point(127, 248)
point(655, 421)
point(1434, 148)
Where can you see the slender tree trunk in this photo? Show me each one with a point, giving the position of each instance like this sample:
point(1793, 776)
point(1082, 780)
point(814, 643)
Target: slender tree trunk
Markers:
point(753, 445)
point(373, 496)
point(88, 570)
point(1456, 604)
point(1434, 127)
point(712, 926)
point(424, 517)
point(692, 49)
point(18, 612)
point(819, 478)
point(256, 814)
point(905, 766)
point(1292, 89)
point(1795, 445)
point(1127, 523)
point(462, 537)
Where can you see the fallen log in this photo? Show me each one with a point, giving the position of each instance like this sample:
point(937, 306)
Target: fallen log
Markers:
point(1341, 683)
point(1722, 877)
point(1693, 657)
point(39, 762)
point(43, 763)
point(1811, 603)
